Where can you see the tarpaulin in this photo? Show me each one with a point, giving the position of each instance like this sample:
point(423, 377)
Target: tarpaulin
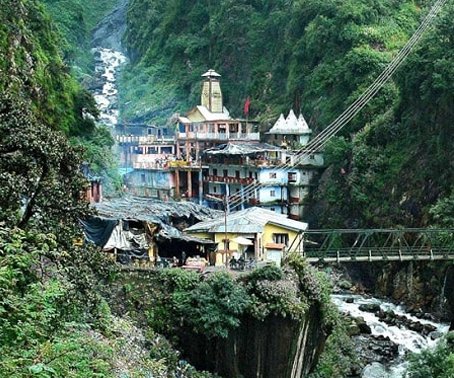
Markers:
point(97, 230)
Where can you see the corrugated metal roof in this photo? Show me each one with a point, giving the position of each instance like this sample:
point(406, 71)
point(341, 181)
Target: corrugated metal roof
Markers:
point(251, 220)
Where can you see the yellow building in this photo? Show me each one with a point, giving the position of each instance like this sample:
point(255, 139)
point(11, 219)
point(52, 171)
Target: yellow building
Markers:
point(254, 232)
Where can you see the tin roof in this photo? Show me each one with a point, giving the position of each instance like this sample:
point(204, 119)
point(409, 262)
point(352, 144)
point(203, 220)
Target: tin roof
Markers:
point(251, 220)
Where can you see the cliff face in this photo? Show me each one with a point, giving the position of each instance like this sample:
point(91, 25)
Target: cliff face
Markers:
point(275, 347)
point(422, 286)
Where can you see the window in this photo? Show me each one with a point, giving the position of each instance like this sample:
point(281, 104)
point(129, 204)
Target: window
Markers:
point(255, 174)
point(226, 172)
point(272, 193)
point(312, 157)
point(215, 172)
point(215, 189)
point(272, 209)
point(273, 175)
point(292, 176)
point(143, 178)
point(250, 174)
point(281, 238)
point(237, 174)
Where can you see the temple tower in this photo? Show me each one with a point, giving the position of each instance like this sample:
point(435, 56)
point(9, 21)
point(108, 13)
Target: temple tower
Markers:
point(211, 92)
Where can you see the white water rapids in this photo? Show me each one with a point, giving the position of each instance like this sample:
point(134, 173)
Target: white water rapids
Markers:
point(108, 63)
point(406, 339)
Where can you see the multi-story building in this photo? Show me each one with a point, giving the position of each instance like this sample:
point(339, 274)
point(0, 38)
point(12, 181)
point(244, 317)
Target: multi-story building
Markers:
point(248, 174)
point(213, 156)
point(210, 124)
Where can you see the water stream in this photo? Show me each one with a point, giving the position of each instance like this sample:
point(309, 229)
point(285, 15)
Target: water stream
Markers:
point(107, 65)
point(406, 339)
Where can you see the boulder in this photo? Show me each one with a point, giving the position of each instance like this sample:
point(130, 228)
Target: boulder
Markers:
point(370, 307)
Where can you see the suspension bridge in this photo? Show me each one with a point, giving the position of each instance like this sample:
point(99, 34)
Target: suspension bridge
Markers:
point(369, 245)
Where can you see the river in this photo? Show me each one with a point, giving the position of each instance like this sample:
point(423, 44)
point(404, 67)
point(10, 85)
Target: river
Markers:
point(107, 65)
point(406, 339)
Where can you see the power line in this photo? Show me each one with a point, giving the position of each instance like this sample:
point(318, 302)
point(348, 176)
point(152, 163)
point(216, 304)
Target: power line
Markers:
point(345, 117)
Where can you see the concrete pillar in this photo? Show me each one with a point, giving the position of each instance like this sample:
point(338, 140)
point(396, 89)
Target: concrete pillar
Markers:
point(177, 183)
point(100, 191)
point(189, 183)
point(188, 150)
point(242, 197)
point(200, 187)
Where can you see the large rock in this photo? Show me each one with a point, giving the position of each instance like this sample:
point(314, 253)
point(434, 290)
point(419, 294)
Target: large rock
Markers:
point(276, 347)
point(110, 30)
point(370, 307)
point(375, 370)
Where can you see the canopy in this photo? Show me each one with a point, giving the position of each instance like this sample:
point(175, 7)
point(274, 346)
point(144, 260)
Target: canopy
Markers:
point(242, 241)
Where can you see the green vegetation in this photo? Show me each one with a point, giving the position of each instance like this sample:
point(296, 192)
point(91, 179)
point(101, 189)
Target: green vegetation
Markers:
point(396, 170)
point(172, 301)
point(312, 55)
point(33, 72)
point(437, 363)
point(75, 20)
point(339, 357)
point(54, 322)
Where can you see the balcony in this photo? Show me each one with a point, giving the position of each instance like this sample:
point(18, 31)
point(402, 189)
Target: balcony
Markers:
point(195, 135)
point(229, 180)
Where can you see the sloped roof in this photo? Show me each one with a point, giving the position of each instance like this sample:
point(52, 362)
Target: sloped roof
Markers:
point(209, 116)
point(247, 221)
point(290, 125)
point(156, 212)
point(238, 148)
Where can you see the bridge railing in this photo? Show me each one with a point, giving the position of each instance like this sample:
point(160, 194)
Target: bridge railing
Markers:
point(378, 244)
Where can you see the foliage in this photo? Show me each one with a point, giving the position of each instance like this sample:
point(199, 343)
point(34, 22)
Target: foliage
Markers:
point(442, 212)
point(274, 293)
point(214, 306)
point(76, 20)
point(315, 56)
point(40, 176)
point(437, 363)
point(338, 357)
point(398, 172)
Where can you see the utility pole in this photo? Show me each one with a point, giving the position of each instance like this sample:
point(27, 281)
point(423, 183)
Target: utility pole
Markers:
point(225, 229)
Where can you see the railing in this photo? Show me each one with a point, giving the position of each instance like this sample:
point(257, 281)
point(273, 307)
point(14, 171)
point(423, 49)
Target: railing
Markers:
point(148, 139)
point(230, 180)
point(377, 245)
point(218, 136)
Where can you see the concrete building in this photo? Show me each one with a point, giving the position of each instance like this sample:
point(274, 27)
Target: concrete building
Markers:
point(252, 233)
point(209, 124)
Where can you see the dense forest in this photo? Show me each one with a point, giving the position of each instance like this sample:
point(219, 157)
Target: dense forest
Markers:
point(392, 165)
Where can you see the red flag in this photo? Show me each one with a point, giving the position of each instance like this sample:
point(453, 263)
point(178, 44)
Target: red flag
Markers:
point(247, 104)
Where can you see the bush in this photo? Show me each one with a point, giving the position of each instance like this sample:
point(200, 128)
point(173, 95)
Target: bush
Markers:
point(437, 363)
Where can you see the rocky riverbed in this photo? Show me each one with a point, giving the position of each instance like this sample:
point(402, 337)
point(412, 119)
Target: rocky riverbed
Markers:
point(384, 333)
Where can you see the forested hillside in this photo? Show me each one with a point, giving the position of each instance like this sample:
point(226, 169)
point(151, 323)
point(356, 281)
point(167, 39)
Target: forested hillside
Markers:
point(76, 20)
point(393, 163)
point(398, 170)
point(312, 55)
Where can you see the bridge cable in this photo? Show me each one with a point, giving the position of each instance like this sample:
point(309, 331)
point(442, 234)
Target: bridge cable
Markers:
point(342, 120)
